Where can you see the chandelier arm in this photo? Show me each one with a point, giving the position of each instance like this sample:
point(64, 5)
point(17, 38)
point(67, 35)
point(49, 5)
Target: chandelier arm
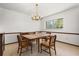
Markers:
point(36, 9)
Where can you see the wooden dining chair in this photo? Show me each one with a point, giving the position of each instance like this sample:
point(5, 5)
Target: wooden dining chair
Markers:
point(48, 44)
point(25, 33)
point(48, 32)
point(46, 38)
point(23, 43)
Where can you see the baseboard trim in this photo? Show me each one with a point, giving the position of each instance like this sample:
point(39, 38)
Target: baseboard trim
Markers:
point(56, 41)
point(67, 43)
point(11, 43)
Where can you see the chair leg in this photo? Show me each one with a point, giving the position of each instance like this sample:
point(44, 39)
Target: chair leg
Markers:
point(55, 50)
point(50, 51)
point(36, 41)
point(41, 48)
point(31, 48)
point(20, 52)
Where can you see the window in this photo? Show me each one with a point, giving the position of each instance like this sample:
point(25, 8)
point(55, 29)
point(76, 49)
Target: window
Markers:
point(54, 24)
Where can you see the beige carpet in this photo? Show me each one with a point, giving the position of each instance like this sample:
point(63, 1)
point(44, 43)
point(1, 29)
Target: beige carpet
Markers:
point(62, 50)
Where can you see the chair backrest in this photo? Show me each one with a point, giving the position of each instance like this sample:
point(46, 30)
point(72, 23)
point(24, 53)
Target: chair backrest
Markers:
point(52, 40)
point(32, 32)
point(48, 32)
point(21, 41)
point(25, 33)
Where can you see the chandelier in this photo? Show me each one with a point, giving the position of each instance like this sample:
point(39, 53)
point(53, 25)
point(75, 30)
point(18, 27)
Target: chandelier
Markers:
point(36, 16)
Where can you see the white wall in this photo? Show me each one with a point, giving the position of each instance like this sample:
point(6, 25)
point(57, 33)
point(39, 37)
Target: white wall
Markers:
point(71, 22)
point(12, 21)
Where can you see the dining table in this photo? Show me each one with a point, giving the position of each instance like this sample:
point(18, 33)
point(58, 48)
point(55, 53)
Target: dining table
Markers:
point(37, 37)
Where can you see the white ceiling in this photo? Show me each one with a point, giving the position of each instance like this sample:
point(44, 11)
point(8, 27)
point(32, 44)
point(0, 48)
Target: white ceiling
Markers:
point(44, 8)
